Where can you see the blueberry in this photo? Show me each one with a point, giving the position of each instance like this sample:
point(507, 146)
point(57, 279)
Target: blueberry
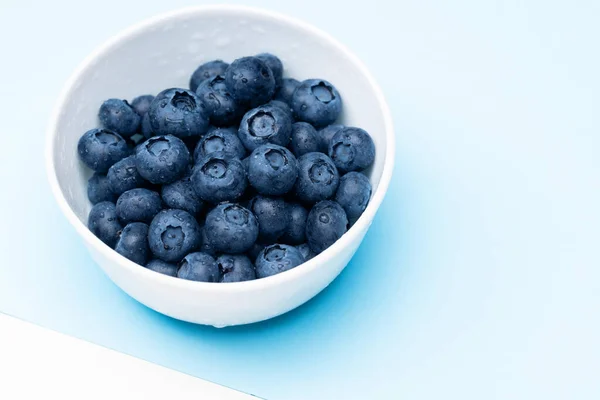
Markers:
point(173, 234)
point(220, 139)
point(206, 246)
point(246, 163)
point(230, 228)
point(162, 267)
point(99, 190)
point(276, 259)
point(296, 229)
point(325, 135)
point(352, 149)
point(104, 223)
point(282, 106)
point(274, 64)
point(206, 71)
point(212, 128)
point(250, 81)
point(118, 115)
point(306, 252)
point(133, 243)
point(141, 104)
point(146, 128)
point(219, 177)
point(235, 268)
point(317, 102)
point(272, 170)
point(326, 223)
point(286, 90)
point(162, 159)
point(138, 205)
point(304, 139)
point(124, 176)
point(181, 195)
point(99, 149)
point(265, 124)
point(199, 267)
point(271, 214)
point(218, 102)
point(178, 112)
point(318, 178)
point(353, 194)
point(255, 250)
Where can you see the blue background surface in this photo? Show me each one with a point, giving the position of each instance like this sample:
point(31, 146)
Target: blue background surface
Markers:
point(480, 277)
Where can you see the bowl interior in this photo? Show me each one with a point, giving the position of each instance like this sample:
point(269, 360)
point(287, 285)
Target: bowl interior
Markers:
point(163, 53)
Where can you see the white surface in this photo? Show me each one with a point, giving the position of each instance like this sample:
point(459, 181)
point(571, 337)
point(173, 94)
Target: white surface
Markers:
point(36, 363)
point(160, 53)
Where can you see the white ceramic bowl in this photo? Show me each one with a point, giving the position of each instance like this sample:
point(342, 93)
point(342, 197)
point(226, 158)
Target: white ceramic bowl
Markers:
point(162, 52)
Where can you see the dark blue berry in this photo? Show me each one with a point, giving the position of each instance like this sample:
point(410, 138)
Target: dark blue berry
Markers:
point(99, 149)
point(235, 268)
point(306, 251)
point(265, 124)
point(141, 104)
point(296, 229)
point(326, 134)
point(133, 243)
point(318, 178)
point(219, 177)
point(138, 205)
point(352, 149)
point(283, 107)
point(274, 64)
point(162, 267)
point(272, 216)
point(104, 223)
point(255, 250)
point(304, 139)
point(118, 116)
point(199, 267)
point(124, 176)
point(146, 128)
point(317, 102)
point(218, 102)
point(272, 170)
point(250, 81)
point(326, 223)
point(178, 112)
point(206, 246)
point(212, 128)
point(286, 90)
point(220, 139)
point(173, 234)
point(206, 71)
point(99, 190)
point(181, 195)
point(276, 259)
point(353, 194)
point(230, 228)
point(162, 159)
point(246, 163)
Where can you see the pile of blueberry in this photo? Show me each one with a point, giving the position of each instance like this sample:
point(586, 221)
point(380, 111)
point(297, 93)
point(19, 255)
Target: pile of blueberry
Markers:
point(242, 176)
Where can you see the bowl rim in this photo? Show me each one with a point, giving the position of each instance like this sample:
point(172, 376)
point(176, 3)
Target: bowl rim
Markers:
point(307, 267)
